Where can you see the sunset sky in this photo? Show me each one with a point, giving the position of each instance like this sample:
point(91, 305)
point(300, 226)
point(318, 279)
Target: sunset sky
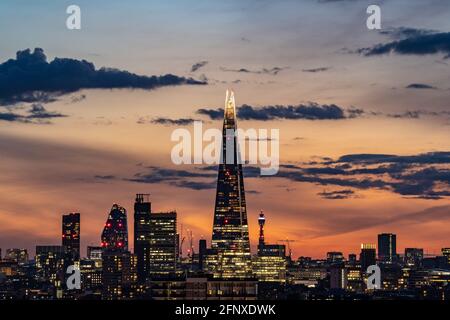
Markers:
point(364, 116)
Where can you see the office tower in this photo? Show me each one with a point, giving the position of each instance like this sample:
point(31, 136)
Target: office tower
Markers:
point(367, 256)
point(261, 222)
point(94, 252)
point(142, 210)
point(338, 278)
point(202, 250)
point(387, 247)
point(270, 262)
point(91, 275)
point(163, 245)
point(334, 257)
point(446, 253)
point(352, 260)
point(49, 264)
point(230, 228)
point(71, 234)
point(119, 276)
point(115, 232)
point(413, 257)
point(19, 256)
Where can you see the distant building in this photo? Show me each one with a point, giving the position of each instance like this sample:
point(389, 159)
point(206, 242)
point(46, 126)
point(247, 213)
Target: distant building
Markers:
point(91, 275)
point(142, 213)
point(94, 252)
point(367, 256)
point(71, 234)
point(413, 257)
point(334, 257)
point(50, 264)
point(338, 278)
point(352, 259)
point(119, 275)
point(387, 247)
point(20, 256)
point(204, 288)
point(446, 253)
point(115, 232)
point(163, 245)
point(202, 250)
point(270, 263)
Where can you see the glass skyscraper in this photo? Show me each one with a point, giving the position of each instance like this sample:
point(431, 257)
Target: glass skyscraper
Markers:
point(142, 212)
point(230, 238)
point(115, 232)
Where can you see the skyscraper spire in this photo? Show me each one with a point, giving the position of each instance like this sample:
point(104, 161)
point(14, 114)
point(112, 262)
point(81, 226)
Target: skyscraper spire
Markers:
point(261, 222)
point(230, 229)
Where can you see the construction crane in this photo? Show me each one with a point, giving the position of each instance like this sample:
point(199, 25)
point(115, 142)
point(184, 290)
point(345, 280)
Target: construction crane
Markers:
point(288, 242)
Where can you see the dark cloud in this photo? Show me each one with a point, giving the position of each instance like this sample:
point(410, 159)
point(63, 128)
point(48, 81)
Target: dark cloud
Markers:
point(337, 195)
point(168, 121)
point(405, 32)
point(30, 78)
point(419, 86)
point(315, 70)
point(442, 157)
point(213, 114)
point(416, 114)
point(198, 65)
point(309, 111)
point(424, 176)
point(416, 45)
point(195, 185)
point(36, 114)
point(105, 177)
point(194, 180)
point(272, 71)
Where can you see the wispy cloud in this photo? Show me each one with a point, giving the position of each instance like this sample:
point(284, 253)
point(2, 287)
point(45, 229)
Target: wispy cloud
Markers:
point(271, 71)
point(198, 65)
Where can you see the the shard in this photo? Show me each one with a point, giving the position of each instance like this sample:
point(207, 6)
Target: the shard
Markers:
point(230, 239)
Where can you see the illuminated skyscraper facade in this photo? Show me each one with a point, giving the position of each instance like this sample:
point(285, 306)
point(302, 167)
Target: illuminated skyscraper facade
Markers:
point(119, 275)
point(270, 263)
point(71, 239)
point(142, 211)
point(230, 228)
point(368, 255)
point(163, 245)
point(115, 232)
point(387, 247)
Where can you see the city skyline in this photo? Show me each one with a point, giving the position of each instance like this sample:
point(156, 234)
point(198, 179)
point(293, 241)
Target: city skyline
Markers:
point(364, 125)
